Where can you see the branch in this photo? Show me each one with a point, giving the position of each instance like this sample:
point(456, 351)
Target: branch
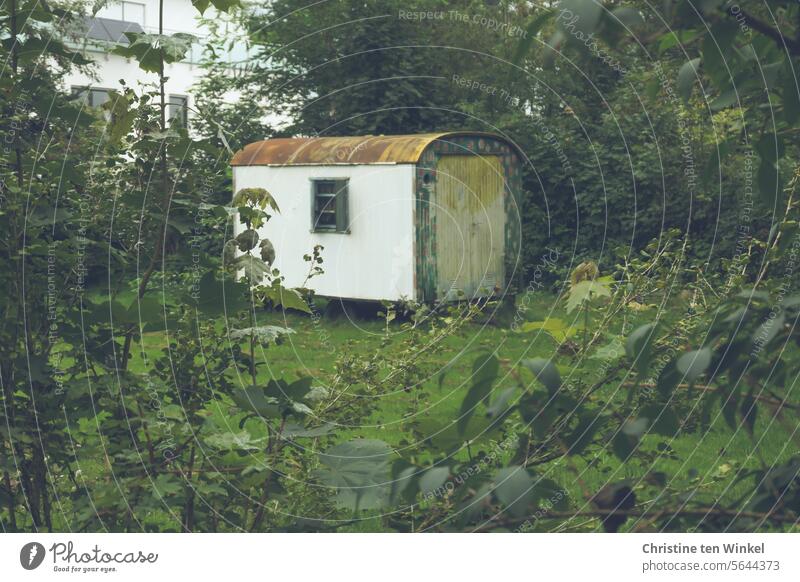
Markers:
point(774, 401)
point(702, 512)
point(792, 46)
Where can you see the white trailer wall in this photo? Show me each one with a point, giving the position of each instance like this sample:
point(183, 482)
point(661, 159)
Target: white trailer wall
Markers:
point(375, 261)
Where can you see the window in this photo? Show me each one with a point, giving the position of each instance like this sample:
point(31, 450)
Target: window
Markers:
point(178, 109)
point(127, 11)
point(133, 12)
point(91, 96)
point(329, 212)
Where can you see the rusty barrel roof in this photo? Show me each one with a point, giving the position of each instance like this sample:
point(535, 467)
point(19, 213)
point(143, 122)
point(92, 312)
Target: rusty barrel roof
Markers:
point(367, 149)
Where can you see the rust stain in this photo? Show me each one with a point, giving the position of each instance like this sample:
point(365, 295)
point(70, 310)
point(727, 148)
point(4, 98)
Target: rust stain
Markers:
point(370, 149)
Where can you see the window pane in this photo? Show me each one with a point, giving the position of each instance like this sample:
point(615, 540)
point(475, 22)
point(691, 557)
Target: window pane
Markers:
point(177, 109)
point(326, 220)
point(133, 12)
point(98, 97)
point(324, 187)
point(324, 205)
point(82, 93)
point(111, 10)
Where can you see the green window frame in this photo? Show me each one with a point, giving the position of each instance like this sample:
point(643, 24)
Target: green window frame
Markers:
point(330, 210)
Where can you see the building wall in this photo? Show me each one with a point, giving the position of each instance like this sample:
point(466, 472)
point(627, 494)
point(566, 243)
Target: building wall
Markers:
point(375, 260)
point(111, 68)
point(179, 16)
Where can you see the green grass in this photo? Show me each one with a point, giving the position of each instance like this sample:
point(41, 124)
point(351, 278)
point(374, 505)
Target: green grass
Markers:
point(704, 461)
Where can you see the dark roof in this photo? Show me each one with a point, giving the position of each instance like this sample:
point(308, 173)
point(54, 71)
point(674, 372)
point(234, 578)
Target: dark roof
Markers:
point(108, 29)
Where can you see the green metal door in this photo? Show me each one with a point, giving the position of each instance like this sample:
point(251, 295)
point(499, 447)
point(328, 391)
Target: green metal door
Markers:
point(470, 225)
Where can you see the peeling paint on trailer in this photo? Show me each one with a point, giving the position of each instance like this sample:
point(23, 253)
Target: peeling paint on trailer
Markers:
point(432, 278)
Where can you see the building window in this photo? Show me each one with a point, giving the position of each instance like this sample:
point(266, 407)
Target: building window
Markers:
point(91, 96)
point(133, 12)
point(329, 205)
point(178, 109)
point(126, 11)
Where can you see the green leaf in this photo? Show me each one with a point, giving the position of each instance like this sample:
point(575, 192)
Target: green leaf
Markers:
point(791, 99)
point(552, 48)
point(215, 297)
point(676, 38)
point(484, 372)
point(586, 291)
point(450, 438)
point(405, 484)
point(485, 367)
point(546, 372)
point(635, 427)
point(628, 16)
point(716, 51)
point(149, 50)
point(770, 147)
point(166, 485)
point(255, 198)
point(122, 116)
point(234, 441)
point(432, 479)
point(611, 351)
point(627, 438)
point(287, 298)
point(500, 404)
point(296, 431)
point(253, 399)
point(548, 495)
point(767, 331)
point(358, 470)
point(749, 412)
point(514, 489)
point(770, 189)
point(687, 75)
point(300, 388)
point(639, 345)
point(530, 33)
point(724, 100)
point(540, 410)
point(668, 379)
point(662, 419)
point(247, 240)
point(694, 363)
point(267, 251)
point(579, 16)
point(557, 328)
point(253, 268)
point(581, 436)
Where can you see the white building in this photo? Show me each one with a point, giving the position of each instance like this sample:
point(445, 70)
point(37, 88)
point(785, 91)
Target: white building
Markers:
point(104, 31)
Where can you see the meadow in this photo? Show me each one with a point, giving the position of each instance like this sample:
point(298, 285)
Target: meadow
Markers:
point(704, 461)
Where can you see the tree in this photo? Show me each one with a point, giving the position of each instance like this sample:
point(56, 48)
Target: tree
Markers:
point(351, 68)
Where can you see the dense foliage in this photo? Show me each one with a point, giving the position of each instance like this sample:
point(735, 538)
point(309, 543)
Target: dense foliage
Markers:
point(620, 147)
point(138, 391)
